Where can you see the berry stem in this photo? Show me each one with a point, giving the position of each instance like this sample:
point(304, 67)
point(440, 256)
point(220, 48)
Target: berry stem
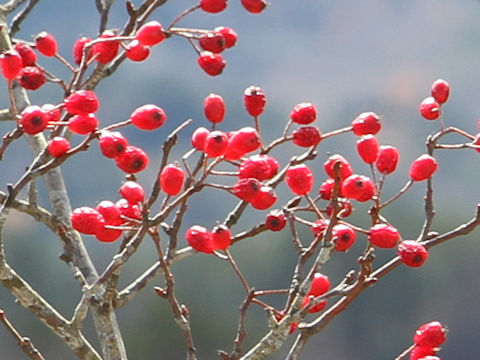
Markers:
point(182, 15)
point(395, 197)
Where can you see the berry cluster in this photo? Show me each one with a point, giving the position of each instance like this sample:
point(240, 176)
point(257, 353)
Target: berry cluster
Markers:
point(427, 341)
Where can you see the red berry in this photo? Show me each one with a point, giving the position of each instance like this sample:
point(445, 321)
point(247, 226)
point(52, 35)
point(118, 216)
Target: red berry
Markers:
point(10, 64)
point(216, 143)
point(212, 41)
point(387, 159)
point(136, 51)
point(200, 239)
point(307, 136)
point(261, 167)
point(46, 44)
point(83, 124)
point(112, 143)
point(105, 234)
point(264, 199)
point(129, 210)
point(81, 102)
point(383, 236)
point(316, 308)
point(440, 91)
point(214, 108)
point(345, 167)
point(229, 34)
point(221, 237)
point(105, 51)
point(318, 227)
point(211, 63)
point(320, 285)
point(254, 6)
point(366, 123)
point(429, 108)
point(420, 352)
point(27, 54)
point(430, 357)
point(423, 168)
point(358, 187)
point(346, 208)
point(58, 146)
point(343, 236)
point(86, 220)
point(299, 179)
point(412, 253)
point(244, 140)
point(326, 189)
point(476, 142)
point(33, 120)
point(247, 189)
point(432, 334)
point(110, 212)
point(150, 33)
point(213, 6)
point(31, 77)
point(254, 100)
point(132, 191)
point(198, 138)
point(148, 117)
point(275, 220)
point(78, 47)
point(132, 160)
point(303, 113)
point(171, 179)
point(367, 148)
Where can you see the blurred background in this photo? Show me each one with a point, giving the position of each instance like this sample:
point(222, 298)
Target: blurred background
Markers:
point(346, 57)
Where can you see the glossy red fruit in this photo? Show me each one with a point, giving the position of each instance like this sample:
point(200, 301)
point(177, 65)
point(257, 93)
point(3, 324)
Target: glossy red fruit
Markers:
point(303, 113)
point(27, 54)
point(429, 108)
point(86, 220)
point(132, 191)
point(213, 6)
point(432, 334)
point(244, 140)
point(366, 123)
point(261, 167)
point(105, 234)
point(440, 91)
point(105, 51)
point(368, 148)
point(358, 187)
point(264, 199)
point(221, 237)
point(299, 179)
point(58, 146)
point(212, 41)
point(307, 136)
point(423, 168)
point(320, 284)
point(247, 189)
point(343, 237)
point(254, 100)
point(112, 143)
point(275, 220)
point(46, 44)
point(132, 160)
point(78, 47)
point(33, 120)
point(136, 51)
point(254, 6)
point(420, 352)
point(110, 212)
point(198, 138)
point(148, 117)
point(150, 33)
point(229, 35)
point(129, 210)
point(318, 227)
point(412, 253)
point(31, 77)
point(171, 179)
point(326, 189)
point(216, 143)
point(81, 102)
point(83, 124)
point(384, 236)
point(214, 108)
point(387, 159)
point(200, 239)
point(10, 64)
point(211, 63)
point(53, 112)
point(345, 169)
